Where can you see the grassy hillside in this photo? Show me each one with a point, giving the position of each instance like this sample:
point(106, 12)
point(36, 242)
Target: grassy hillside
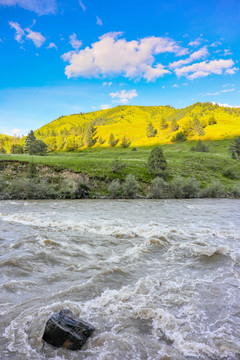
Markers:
point(200, 120)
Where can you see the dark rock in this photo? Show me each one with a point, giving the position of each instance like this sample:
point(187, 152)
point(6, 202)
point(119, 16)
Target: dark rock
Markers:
point(66, 330)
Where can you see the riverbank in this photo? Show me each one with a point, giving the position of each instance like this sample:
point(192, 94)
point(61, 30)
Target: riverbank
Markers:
point(31, 180)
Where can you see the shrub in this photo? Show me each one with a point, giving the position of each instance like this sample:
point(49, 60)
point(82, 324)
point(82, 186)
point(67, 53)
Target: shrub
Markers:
point(160, 188)
point(230, 172)
point(182, 188)
point(212, 120)
point(130, 187)
point(157, 163)
point(200, 147)
point(235, 147)
point(134, 149)
point(82, 190)
point(179, 137)
point(2, 183)
point(31, 170)
point(117, 166)
point(236, 191)
point(214, 190)
point(115, 189)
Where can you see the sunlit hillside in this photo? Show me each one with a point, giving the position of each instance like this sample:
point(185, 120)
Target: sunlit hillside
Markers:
point(200, 120)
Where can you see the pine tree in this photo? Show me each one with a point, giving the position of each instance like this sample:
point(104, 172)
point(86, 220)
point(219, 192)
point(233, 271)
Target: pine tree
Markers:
point(29, 140)
point(112, 141)
point(125, 143)
point(151, 132)
point(163, 124)
point(157, 163)
point(174, 125)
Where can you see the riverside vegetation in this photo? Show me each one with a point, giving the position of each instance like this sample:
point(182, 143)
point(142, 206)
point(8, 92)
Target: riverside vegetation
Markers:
point(95, 156)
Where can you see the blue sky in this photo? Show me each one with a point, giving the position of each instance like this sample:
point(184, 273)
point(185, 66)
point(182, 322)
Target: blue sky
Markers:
point(65, 57)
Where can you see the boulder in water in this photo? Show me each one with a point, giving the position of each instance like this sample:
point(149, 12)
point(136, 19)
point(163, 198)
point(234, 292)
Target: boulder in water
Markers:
point(66, 330)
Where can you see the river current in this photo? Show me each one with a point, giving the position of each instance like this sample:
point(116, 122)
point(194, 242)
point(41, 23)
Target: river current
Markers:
point(158, 279)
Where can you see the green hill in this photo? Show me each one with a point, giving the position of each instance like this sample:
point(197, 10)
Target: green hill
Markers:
point(200, 120)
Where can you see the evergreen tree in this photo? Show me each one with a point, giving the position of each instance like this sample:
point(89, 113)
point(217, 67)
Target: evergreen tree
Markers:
point(151, 132)
point(179, 137)
point(29, 141)
point(31, 170)
point(37, 147)
point(212, 120)
point(88, 135)
point(101, 141)
point(125, 143)
point(197, 126)
point(163, 124)
point(112, 141)
point(235, 148)
point(157, 163)
point(174, 125)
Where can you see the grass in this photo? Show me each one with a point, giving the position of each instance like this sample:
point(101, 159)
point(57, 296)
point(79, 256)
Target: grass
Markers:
point(98, 162)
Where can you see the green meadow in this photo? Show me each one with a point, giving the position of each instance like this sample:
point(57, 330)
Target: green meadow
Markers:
point(108, 164)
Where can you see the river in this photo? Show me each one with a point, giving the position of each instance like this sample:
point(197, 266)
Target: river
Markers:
point(158, 279)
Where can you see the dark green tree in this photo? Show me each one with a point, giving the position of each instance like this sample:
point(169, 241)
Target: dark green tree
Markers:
point(157, 163)
point(31, 138)
point(125, 143)
point(179, 137)
point(151, 132)
point(212, 120)
point(200, 147)
point(88, 134)
point(235, 148)
point(16, 149)
point(112, 141)
point(37, 147)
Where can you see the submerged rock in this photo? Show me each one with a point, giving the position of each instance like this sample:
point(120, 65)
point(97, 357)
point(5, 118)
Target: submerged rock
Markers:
point(66, 330)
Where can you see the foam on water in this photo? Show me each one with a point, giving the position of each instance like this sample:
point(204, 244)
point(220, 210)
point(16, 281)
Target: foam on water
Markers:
point(158, 280)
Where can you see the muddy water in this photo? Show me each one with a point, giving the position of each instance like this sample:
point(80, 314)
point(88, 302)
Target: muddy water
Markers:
point(158, 279)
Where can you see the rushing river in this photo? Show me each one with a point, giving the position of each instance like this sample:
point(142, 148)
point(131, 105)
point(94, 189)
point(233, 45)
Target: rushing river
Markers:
point(159, 280)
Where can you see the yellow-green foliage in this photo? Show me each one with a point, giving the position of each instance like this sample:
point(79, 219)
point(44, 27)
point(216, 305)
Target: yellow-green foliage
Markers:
point(72, 132)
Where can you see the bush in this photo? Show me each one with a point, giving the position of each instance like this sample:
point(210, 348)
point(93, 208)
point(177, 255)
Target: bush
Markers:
point(182, 188)
point(115, 189)
point(231, 173)
point(82, 190)
point(31, 170)
point(236, 191)
point(160, 189)
point(130, 187)
point(117, 166)
point(2, 183)
point(235, 148)
point(179, 137)
point(112, 141)
point(215, 190)
point(200, 147)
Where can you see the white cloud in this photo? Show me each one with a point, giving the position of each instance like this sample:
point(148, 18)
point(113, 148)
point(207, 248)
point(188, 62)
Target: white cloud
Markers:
point(231, 71)
point(175, 86)
point(107, 83)
point(196, 42)
point(82, 5)
point(52, 46)
point(113, 56)
point(37, 38)
point(41, 7)
point(206, 68)
point(105, 106)
point(99, 21)
point(76, 44)
point(123, 96)
point(18, 132)
point(221, 91)
point(227, 52)
point(19, 31)
point(226, 105)
point(200, 54)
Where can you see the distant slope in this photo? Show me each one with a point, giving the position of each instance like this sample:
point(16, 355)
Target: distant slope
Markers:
point(200, 120)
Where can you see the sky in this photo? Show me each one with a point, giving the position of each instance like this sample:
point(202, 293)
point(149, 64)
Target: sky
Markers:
point(60, 57)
